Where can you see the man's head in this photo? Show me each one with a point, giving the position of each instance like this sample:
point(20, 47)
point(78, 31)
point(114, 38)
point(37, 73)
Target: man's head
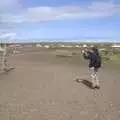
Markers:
point(93, 48)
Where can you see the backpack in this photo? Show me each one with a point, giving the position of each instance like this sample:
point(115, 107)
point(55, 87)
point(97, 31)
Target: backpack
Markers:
point(97, 62)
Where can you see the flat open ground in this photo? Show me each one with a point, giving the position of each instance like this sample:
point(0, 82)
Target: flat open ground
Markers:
point(44, 87)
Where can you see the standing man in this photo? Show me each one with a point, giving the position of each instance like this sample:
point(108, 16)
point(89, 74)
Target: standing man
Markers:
point(94, 58)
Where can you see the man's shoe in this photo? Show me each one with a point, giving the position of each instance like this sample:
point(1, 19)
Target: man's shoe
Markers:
point(93, 86)
point(98, 87)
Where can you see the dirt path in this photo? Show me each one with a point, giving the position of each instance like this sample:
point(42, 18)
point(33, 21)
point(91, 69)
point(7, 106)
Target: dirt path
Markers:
point(44, 88)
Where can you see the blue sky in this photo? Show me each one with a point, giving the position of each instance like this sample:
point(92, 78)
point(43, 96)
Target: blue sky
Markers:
point(60, 20)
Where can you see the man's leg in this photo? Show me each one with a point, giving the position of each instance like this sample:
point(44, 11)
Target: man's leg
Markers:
point(93, 76)
point(5, 64)
point(97, 79)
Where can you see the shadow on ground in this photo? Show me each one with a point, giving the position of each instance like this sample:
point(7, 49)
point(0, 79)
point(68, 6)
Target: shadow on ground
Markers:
point(85, 82)
point(5, 72)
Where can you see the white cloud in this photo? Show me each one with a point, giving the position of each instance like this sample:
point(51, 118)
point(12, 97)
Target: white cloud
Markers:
point(7, 35)
point(10, 18)
point(95, 10)
point(105, 7)
point(46, 13)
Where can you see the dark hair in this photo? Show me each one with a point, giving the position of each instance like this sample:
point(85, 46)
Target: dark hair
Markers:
point(94, 49)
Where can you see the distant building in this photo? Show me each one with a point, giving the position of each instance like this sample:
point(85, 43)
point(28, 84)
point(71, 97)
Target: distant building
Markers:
point(38, 45)
point(85, 45)
point(116, 46)
point(69, 46)
point(91, 45)
point(77, 46)
point(46, 46)
point(62, 46)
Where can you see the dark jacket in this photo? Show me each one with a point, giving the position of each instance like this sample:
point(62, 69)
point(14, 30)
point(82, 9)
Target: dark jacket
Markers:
point(94, 59)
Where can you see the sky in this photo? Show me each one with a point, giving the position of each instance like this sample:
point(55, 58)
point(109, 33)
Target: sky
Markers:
point(60, 20)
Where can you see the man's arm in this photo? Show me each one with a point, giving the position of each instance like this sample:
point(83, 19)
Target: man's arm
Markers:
point(86, 55)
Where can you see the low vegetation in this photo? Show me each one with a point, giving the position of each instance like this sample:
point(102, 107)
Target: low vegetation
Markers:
point(108, 54)
point(112, 55)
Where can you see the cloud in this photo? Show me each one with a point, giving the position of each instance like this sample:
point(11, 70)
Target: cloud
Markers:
point(47, 13)
point(10, 18)
point(95, 10)
point(7, 35)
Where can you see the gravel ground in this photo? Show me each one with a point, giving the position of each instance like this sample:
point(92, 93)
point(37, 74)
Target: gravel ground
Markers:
point(44, 87)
